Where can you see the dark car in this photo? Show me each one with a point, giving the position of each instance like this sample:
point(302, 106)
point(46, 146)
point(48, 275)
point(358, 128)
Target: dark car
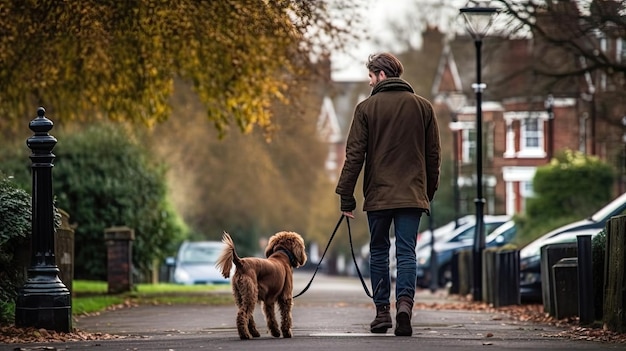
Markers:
point(423, 239)
point(530, 255)
point(445, 247)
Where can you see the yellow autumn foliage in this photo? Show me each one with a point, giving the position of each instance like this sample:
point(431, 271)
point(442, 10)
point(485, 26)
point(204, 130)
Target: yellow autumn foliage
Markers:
point(118, 60)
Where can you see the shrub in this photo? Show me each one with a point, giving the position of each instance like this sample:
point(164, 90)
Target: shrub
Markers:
point(103, 178)
point(15, 227)
point(573, 184)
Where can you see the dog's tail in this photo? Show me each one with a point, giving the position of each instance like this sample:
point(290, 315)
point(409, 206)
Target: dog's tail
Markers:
point(228, 257)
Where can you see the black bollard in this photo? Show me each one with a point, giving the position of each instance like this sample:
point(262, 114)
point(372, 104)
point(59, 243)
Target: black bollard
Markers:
point(586, 306)
point(44, 301)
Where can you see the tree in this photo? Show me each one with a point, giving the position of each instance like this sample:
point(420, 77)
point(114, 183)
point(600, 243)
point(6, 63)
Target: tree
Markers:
point(117, 60)
point(578, 27)
point(577, 52)
point(244, 184)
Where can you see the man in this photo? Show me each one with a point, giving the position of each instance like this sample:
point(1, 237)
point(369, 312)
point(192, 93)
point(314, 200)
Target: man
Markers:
point(395, 133)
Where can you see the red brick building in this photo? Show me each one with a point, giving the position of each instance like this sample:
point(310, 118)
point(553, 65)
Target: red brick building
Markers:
point(524, 122)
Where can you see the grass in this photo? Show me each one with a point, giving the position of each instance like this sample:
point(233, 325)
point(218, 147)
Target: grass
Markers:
point(92, 296)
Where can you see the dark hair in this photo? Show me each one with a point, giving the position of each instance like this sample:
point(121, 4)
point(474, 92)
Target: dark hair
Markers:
point(385, 62)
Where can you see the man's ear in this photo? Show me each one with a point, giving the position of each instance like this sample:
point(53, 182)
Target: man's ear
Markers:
point(382, 75)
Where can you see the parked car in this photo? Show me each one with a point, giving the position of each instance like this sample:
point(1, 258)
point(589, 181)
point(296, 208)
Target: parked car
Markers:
point(445, 247)
point(530, 255)
point(195, 263)
point(423, 239)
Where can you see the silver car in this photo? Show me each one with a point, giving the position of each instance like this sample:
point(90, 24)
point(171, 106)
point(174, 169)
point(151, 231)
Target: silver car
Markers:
point(195, 263)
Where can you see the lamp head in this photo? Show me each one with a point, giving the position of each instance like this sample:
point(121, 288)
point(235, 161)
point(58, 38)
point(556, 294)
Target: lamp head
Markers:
point(478, 16)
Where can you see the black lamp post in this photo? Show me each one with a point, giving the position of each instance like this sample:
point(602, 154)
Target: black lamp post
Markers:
point(454, 101)
point(478, 19)
point(549, 105)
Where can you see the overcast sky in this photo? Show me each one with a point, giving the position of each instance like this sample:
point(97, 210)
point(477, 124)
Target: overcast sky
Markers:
point(351, 65)
point(377, 15)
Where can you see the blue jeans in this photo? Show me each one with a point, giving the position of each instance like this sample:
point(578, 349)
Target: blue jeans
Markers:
point(406, 223)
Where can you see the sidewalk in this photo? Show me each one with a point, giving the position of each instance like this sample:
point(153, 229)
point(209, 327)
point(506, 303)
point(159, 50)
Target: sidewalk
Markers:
point(334, 314)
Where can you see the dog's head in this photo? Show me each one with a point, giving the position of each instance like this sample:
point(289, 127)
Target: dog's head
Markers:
point(291, 242)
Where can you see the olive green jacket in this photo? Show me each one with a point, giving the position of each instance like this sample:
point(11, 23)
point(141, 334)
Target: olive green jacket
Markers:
point(395, 133)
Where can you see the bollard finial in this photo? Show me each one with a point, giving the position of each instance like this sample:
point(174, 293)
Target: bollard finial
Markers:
point(40, 124)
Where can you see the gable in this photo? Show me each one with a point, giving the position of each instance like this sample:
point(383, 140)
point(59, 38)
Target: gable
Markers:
point(327, 124)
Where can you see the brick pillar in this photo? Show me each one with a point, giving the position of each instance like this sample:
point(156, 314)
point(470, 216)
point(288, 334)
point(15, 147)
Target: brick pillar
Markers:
point(64, 250)
point(119, 241)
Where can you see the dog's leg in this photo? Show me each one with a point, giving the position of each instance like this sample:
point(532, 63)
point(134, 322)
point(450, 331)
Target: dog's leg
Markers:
point(245, 302)
point(252, 328)
point(270, 316)
point(285, 315)
point(250, 299)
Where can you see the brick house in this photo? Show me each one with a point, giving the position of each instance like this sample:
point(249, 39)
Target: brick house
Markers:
point(524, 122)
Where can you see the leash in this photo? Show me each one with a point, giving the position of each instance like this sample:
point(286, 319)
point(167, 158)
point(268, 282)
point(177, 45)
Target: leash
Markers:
point(321, 258)
point(357, 266)
point(353, 259)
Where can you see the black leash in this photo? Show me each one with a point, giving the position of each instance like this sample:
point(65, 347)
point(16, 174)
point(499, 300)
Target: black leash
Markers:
point(357, 266)
point(321, 258)
point(353, 258)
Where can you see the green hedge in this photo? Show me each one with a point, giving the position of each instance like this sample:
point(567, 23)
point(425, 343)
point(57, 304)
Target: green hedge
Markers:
point(572, 185)
point(15, 227)
point(104, 178)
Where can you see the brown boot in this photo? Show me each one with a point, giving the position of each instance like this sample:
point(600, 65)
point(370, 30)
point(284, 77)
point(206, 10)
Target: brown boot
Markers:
point(404, 312)
point(382, 322)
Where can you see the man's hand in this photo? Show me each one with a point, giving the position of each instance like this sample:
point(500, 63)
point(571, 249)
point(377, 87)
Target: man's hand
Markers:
point(348, 214)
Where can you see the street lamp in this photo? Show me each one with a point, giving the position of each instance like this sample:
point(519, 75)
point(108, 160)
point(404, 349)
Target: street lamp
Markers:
point(454, 101)
point(549, 105)
point(478, 18)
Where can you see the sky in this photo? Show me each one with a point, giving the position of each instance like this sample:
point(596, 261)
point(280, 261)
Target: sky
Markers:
point(350, 65)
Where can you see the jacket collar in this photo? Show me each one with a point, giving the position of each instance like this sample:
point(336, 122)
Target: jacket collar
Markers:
point(392, 84)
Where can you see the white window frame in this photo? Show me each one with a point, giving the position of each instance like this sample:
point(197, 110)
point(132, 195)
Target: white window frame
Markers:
point(528, 133)
point(510, 140)
point(522, 175)
point(526, 151)
point(468, 145)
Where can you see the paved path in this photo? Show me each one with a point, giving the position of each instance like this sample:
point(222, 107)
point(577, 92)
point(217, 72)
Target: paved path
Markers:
point(334, 314)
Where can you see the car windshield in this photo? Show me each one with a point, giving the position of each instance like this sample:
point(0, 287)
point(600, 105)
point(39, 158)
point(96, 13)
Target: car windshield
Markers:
point(200, 254)
point(470, 230)
point(506, 230)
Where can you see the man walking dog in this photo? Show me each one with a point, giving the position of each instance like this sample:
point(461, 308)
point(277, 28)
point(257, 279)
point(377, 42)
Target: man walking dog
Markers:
point(395, 134)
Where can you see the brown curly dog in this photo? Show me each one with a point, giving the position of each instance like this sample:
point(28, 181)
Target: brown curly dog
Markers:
point(269, 280)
